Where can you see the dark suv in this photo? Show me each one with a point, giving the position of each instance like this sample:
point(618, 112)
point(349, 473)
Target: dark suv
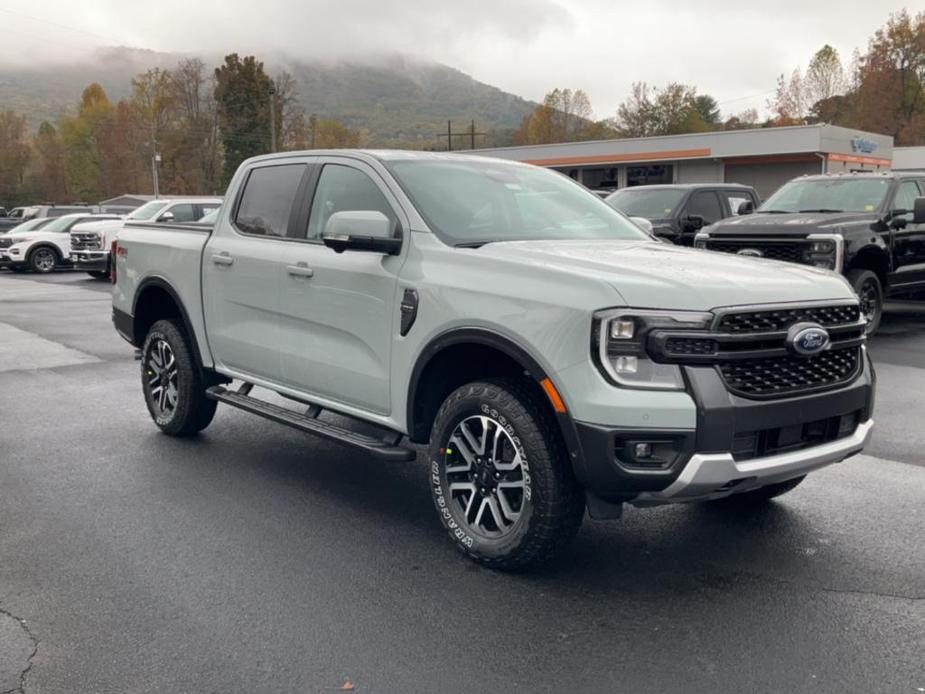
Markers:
point(868, 226)
point(679, 211)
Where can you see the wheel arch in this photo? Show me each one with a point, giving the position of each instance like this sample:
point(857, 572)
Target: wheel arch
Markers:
point(45, 244)
point(484, 354)
point(873, 258)
point(155, 299)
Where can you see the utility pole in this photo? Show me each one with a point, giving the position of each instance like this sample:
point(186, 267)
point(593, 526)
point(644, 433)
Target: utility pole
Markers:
point(449, 135)
point(155, 162)
point(272, 117)
point(313, 122)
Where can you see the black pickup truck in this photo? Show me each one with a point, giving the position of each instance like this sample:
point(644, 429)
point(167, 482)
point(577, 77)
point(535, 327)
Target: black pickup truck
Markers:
point(868, 226)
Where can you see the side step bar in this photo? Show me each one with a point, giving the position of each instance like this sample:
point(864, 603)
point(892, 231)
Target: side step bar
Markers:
point(308, 422)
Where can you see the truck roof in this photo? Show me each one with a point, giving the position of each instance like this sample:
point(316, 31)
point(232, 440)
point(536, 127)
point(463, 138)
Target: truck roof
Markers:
point(864, 174)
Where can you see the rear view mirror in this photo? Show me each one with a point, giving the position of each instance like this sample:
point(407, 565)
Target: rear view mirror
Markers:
point(360, 230)
point(918, 211)
point(746, 207)
point(694, 222)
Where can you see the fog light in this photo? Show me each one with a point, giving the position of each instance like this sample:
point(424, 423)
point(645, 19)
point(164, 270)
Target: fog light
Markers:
point(622, 329)
point(823, 246)
point(626, 365)
point(642, 450)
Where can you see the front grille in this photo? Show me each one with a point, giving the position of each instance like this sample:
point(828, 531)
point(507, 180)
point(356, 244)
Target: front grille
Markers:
point(777, 376)
point(790, 251)
point(782, 318)
point(747, 445)
point(85, 241)
point(5, 243)
point(686, 346)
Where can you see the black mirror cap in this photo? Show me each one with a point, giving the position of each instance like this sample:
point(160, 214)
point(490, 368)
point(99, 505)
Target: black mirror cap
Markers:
point(372, 244)
point(746, 207)
point(695, 222)
point(918, 211)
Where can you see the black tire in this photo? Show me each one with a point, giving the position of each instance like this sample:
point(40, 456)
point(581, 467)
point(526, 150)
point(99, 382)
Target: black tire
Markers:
point(549, 502)
point(18, 268)
point(99, 274)
point(867, 286)
point(760, 495)
point(43, 259)
point(191, 411)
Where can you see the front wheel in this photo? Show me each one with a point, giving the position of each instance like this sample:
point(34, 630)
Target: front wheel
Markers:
point(43, 260)
point(501, 477)
point(867, 286)
point(172, 383)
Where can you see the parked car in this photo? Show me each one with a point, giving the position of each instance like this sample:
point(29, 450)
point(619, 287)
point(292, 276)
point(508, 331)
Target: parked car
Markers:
point(11, 219)
point(863, 225)
point(52, 210)
point(45, 248)
point(91, 240)
point(548, 352)
point(679, 211)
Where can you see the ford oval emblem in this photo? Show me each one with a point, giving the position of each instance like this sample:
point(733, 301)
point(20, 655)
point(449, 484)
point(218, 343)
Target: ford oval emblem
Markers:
point(750, 252)
point(808, 339)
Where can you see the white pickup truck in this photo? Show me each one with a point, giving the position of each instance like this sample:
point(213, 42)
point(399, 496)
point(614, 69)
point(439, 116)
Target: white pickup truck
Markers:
point(550, 354)
point(91, 241)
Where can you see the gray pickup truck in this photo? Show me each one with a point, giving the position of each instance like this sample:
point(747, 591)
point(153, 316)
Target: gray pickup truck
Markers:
point(551, 355)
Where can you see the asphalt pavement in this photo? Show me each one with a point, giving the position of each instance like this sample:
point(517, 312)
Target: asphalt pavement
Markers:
point(257, 559)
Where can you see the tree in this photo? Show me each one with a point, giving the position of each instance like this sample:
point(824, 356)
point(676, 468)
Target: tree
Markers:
point(80, 136)
point(242, 97)
point(742, 121)
point(789, 102)
point(825, 77)
point(672, 110)
point(564, 116)
point(48, 180)
point(707, 109)
point(14, 153)
point(332, 134)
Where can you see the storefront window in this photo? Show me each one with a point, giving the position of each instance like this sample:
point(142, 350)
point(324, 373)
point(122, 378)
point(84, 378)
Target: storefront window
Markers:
point(649, 175)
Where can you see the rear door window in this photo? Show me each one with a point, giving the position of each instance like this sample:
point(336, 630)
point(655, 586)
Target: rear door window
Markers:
point(266, 201)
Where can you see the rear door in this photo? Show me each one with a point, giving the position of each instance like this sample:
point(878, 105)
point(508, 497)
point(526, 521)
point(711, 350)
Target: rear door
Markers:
point(240, 270)
point(908, 241)
point(338, 311)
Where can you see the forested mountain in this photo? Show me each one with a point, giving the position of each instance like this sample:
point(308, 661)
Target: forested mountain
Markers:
point(397, 100)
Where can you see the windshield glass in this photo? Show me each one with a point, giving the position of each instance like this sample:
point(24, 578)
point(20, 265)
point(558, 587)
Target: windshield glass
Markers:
point(479, 201)
point(32, 224)
point(650, 203)
point(147, 211)
point(61, 223)
point(828, 195)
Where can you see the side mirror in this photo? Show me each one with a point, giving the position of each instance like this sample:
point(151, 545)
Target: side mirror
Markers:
point(642, 223)
point(918, 211)
point(367, 230)
point(746, 207)
point(694, 222)
point(166, 217)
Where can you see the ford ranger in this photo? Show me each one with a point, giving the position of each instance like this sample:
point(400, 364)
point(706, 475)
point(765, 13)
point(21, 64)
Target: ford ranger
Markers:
point(869, 226)
point(550, 354)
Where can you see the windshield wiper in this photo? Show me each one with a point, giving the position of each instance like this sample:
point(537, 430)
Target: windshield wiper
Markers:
point(773, 212)
point(822, 209)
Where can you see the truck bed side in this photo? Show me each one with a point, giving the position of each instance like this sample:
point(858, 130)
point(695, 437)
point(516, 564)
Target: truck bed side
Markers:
point(166, 258)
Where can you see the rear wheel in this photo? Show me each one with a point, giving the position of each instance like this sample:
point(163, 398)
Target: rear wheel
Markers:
point(867, 286)
point(172, 383)
point(501, 477)
point(43, 259)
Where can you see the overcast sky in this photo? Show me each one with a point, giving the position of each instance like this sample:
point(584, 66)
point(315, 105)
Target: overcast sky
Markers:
point(731, 50)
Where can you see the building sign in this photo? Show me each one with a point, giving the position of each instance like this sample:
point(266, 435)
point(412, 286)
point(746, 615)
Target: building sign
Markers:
point(863, 145)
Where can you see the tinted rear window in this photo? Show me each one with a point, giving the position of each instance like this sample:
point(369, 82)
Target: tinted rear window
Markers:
point(267, 199)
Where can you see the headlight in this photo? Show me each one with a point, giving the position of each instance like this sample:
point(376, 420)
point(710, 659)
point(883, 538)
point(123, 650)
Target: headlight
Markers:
point(618, 345)
point(825, 251)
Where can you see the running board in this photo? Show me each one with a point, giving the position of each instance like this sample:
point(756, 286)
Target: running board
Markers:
point(388, 450)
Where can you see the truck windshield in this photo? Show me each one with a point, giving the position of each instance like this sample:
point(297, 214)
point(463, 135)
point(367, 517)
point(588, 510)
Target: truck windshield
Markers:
point(648, 203)
point(828, 195)
point(147, 211)
point(481, 201)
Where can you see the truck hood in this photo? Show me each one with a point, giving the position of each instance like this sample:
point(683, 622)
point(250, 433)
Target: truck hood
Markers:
point(797, 223)
point(657, 275)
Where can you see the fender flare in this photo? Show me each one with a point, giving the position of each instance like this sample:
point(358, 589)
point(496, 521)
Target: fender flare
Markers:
point(159, 282)
point(489, 338)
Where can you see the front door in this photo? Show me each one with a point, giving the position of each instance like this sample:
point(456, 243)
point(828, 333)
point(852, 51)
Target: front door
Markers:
point(338, 312)
point(908, 241)
point(240, 272)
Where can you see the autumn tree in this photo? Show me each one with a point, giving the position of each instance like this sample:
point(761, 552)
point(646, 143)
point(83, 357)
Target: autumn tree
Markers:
point(242, 96)
point(671, 110)
point(564, 116)
point(14, 153)
point(48, 179)
point(80, 137)
point(330, 133)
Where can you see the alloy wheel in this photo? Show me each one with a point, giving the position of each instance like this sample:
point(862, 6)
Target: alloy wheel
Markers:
point(486, 477)
point(161, 377)
point(44, 260)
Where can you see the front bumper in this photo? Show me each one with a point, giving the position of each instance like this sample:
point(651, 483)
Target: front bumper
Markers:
point(737, 445)
point(90, 261)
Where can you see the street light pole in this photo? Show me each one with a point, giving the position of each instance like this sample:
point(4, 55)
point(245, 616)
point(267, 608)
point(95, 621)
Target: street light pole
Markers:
point(272, 117)
point(155, 161)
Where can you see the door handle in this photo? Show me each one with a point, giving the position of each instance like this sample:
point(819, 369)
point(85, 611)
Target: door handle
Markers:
point(222, 259)
point(300, 270)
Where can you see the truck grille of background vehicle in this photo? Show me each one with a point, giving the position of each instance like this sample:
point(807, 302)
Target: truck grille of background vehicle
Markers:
point(792, 374)
point(85, 242)
point(764, 442)
point(793, 252)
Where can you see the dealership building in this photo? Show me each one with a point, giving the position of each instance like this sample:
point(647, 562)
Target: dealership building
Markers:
point(761, 157)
